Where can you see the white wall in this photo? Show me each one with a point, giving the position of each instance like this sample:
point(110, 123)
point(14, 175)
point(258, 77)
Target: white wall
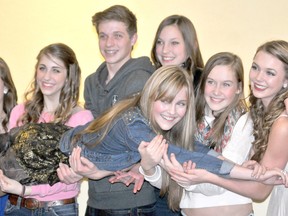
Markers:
point(234, 25)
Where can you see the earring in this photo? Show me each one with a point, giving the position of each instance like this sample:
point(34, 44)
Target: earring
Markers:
point(285, 85)
point(5, 90)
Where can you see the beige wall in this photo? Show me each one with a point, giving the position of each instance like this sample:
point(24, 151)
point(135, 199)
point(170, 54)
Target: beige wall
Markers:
point(239, 26)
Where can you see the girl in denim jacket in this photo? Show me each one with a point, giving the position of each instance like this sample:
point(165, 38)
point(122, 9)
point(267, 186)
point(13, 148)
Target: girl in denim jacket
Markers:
point(165, 106)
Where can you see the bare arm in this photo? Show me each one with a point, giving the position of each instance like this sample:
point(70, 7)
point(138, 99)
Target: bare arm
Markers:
point(276, 155)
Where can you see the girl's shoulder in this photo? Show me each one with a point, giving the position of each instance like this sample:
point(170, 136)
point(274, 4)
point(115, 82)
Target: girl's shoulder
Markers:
point(19, 108)
point(132, 114)
point(281, 121)
point(279, 129)
point(284, 114)
point(80, 116)
point(277, 148)
point(16, 113)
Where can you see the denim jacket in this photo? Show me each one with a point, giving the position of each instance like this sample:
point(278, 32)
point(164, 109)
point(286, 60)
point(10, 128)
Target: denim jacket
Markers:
point(119, 149)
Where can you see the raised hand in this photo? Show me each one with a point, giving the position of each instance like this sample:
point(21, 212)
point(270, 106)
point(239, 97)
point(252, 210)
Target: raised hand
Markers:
point(152, 152)
point(170, 163)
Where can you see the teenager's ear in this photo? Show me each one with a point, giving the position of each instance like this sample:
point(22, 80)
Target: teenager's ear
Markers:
point(285, 84)
point(239, 90)
point(134, 39)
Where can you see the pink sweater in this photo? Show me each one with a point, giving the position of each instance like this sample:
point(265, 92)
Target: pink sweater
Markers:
point(58, 191)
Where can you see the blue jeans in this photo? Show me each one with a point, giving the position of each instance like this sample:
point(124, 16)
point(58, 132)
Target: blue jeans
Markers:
point(62, 210)
point(162, 207)
point(3, 201)
point(149, 210)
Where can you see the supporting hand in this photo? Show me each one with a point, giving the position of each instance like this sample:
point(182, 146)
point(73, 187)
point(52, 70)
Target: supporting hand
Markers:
point(151, 153)
point(257, 168)
point(9, 185)
point(67, 175)
point(133, 176)
point(83, 167)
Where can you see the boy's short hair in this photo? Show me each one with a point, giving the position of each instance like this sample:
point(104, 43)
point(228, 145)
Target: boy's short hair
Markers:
point(119, 13)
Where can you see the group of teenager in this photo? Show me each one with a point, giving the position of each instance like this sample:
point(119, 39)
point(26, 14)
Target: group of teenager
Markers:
point(183, 127)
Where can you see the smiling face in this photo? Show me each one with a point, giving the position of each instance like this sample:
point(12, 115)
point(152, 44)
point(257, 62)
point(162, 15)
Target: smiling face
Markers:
point(170, 47)
point(167, 113)
point(220, 88)
point(51, 76)
point(115, 43)
point(267, 77)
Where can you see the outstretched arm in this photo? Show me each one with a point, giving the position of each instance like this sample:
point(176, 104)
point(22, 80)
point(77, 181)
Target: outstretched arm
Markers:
point(188, 176)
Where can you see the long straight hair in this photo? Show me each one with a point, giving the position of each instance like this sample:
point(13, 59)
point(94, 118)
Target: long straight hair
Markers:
point(238, 103)
point(190, 38)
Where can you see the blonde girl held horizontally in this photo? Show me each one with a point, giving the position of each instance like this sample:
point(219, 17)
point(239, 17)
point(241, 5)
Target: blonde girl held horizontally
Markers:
point(164, 107)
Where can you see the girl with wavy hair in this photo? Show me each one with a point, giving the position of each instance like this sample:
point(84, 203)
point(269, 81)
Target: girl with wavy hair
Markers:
point(268, 83)
point(52, 98)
